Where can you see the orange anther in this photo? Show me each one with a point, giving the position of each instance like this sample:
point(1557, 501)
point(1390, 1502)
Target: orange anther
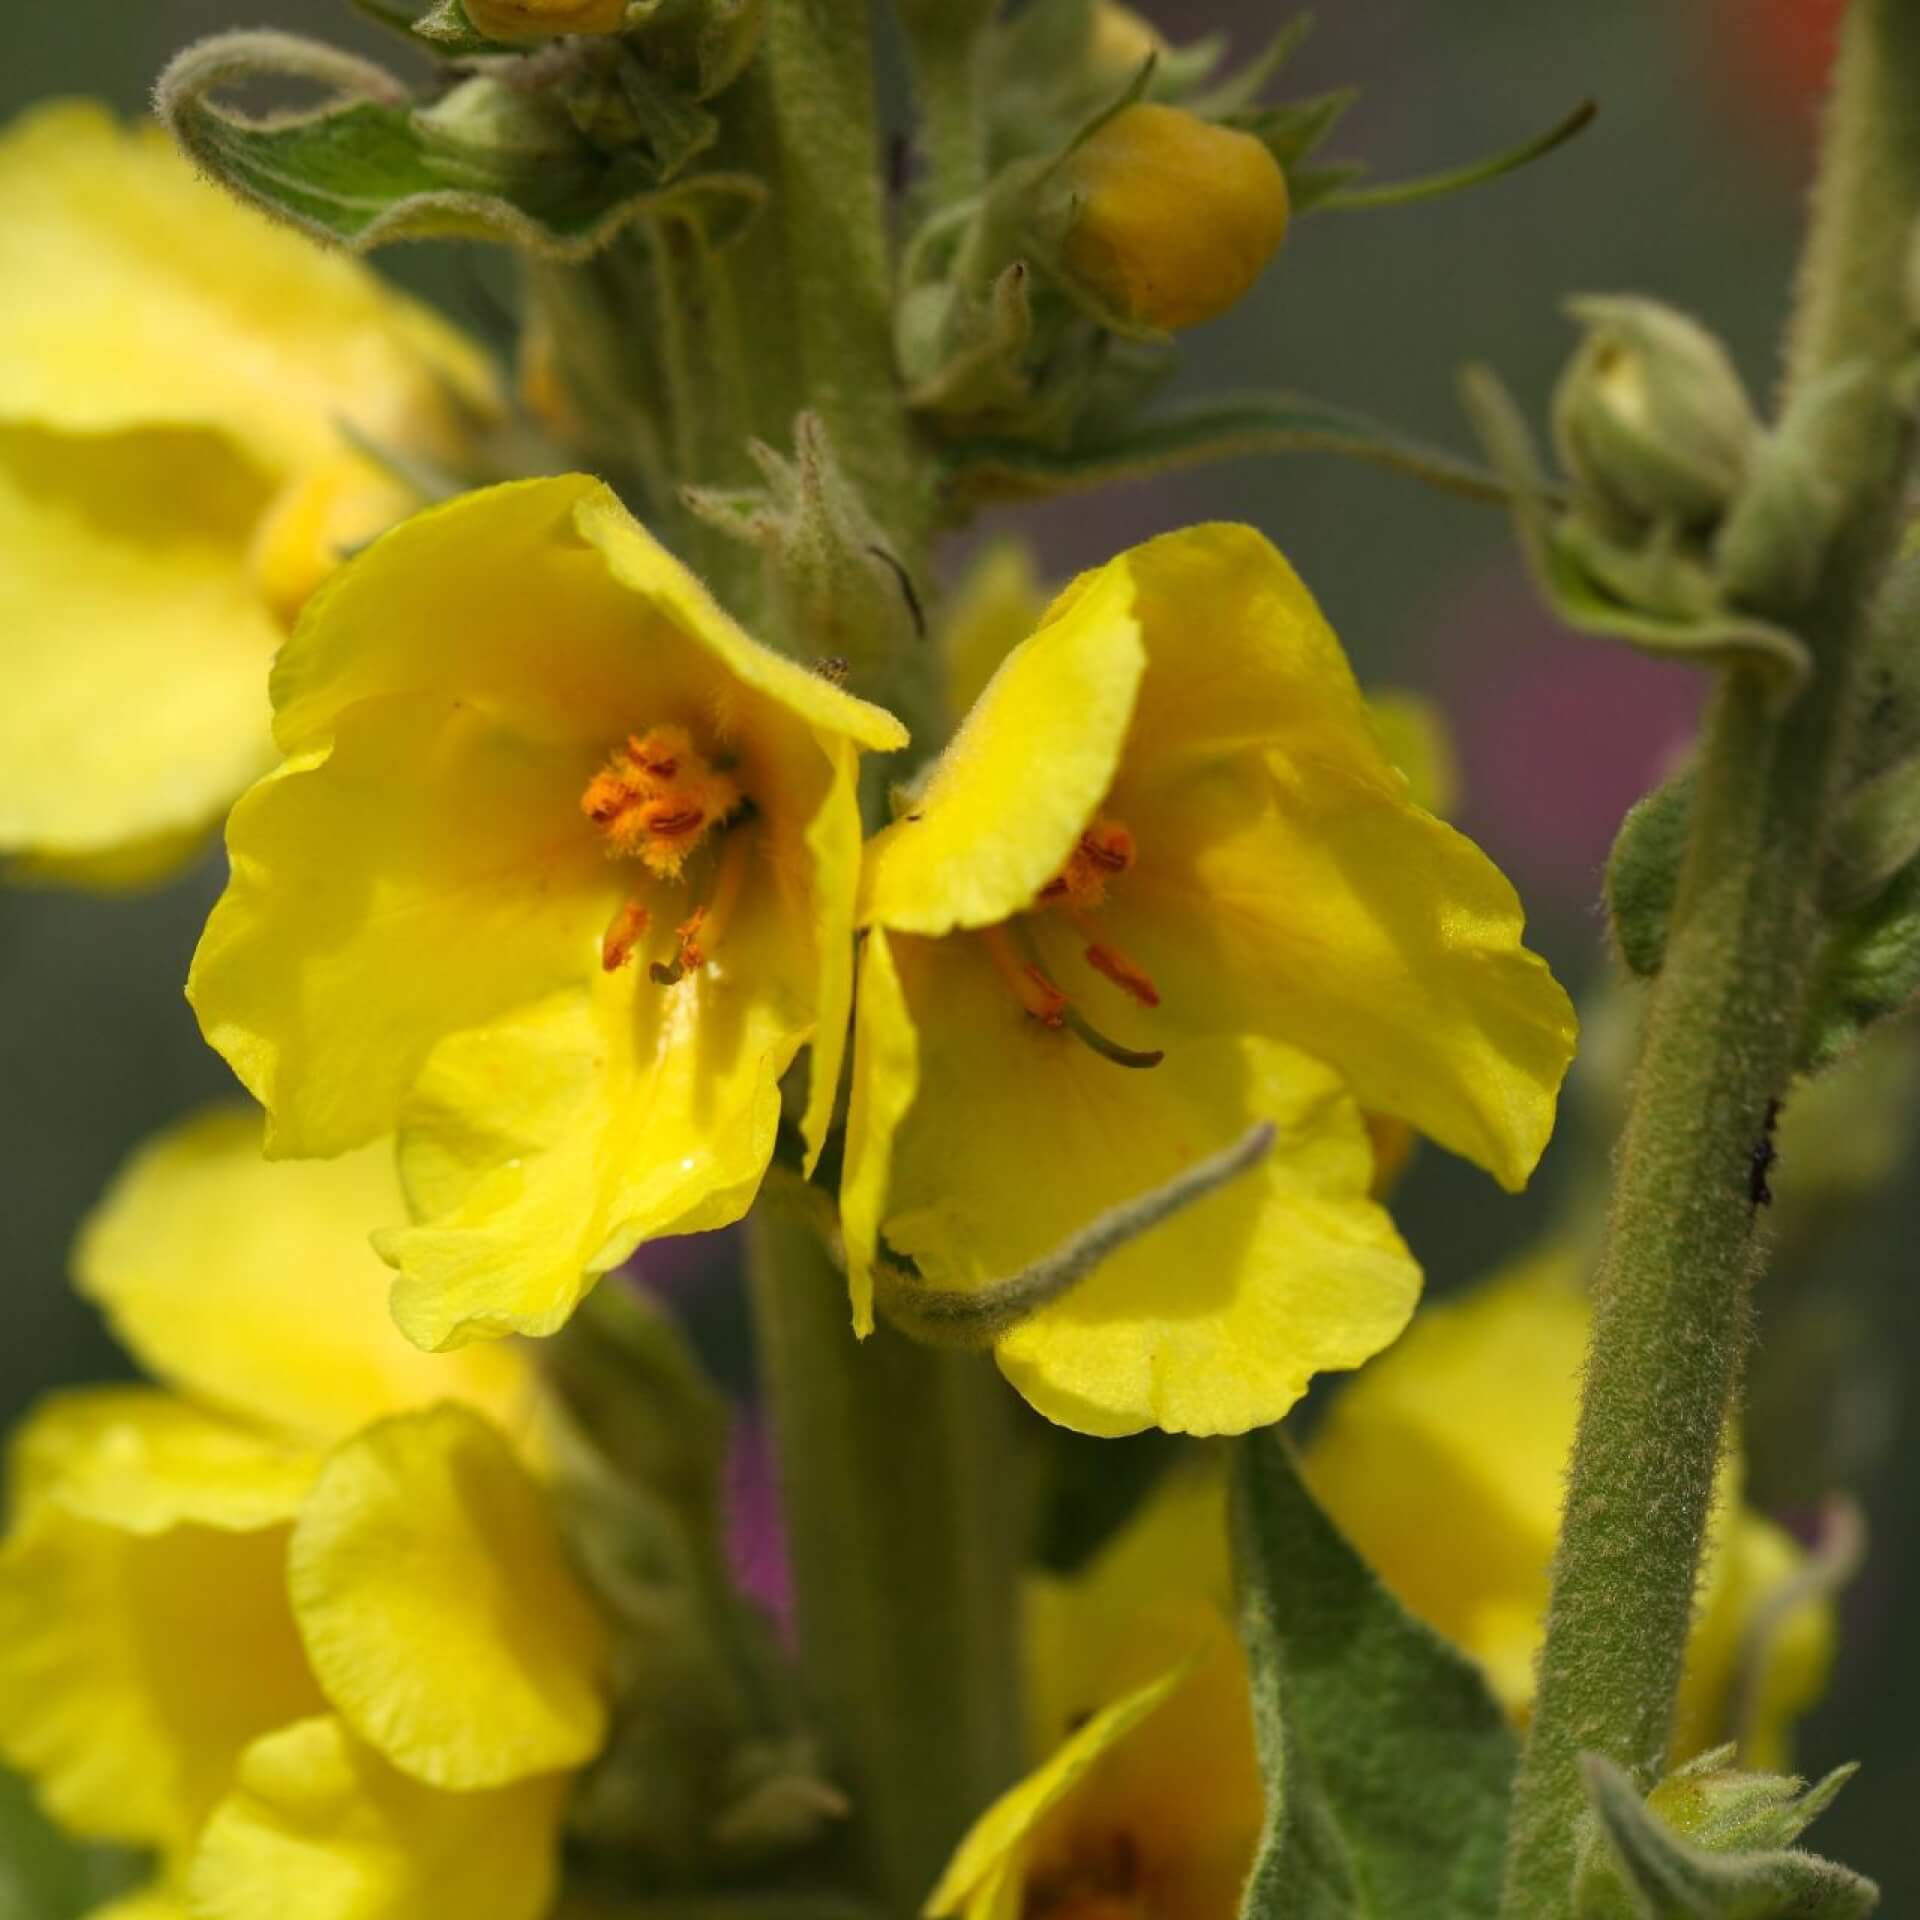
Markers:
point(1124, 974)
point(657, 797)
point(1102, 851)
point(1039, 998)
point(624, 932)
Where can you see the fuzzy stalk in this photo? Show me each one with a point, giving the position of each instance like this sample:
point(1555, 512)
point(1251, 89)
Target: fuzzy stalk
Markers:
point(897, 1486)
point(814, 273)
point(1671, 1318)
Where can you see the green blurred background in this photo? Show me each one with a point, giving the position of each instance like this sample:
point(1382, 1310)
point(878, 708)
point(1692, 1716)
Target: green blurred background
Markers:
point(1688, 186)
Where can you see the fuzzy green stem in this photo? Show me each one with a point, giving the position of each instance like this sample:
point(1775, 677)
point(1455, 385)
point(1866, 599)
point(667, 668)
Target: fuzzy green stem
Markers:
point(944, 42)
point(1672, 1304)
point(898, 1492)
point(815, 272)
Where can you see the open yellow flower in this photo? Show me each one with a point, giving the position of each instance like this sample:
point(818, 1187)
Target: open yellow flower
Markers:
point(558, 877)
point(314, 1645)
point(1472, 1416)
point(1149, 1799)
point(1167, 829)
point(175, 376)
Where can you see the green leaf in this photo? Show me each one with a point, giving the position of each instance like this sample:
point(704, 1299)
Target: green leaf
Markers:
point(366, 168)
point(45, 1874)
point(1657, 1875)
point(1643, 872)
point(1718, 637)
point(1869, 972)
point(1432, 186)
point(1231, 427)
point(1387, 1760)
point(1877, 834)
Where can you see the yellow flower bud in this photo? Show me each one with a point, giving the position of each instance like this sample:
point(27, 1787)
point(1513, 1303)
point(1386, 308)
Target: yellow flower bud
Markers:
point(1170, 218)
point(1122, 42)
point(535, 19)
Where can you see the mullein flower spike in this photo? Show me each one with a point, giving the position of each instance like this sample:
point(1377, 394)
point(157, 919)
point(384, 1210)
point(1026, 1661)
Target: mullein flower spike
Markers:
point(300, 1621)
point(181, 435)
point(557, 878)
point(1164, 886)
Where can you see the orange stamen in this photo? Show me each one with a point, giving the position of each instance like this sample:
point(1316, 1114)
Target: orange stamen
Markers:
point(1104, 851)
point(700, 932)
point(658, 797)
point(1039, 998)
point(1124, 974)
point(624, 932)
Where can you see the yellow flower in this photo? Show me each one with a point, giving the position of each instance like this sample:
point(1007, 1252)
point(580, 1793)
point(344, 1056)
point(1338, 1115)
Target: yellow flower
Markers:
point(558, 877)
point(533, 19)
point(174, 376)
point(1472, 1416)
point(1169, 219)
point(1151, 1800)
point(320, 1647)
point(1167, 828)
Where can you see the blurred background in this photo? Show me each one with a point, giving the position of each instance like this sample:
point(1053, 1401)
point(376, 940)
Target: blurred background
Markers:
point(1689, 187)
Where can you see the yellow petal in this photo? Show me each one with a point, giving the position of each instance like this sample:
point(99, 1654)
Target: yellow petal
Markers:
point(985, 1879)
point(886, 1080)
point(1211, 1323)
point(436, 1604)
point(137, 1660)
point(1286, 883)
point(319, 1827)
point(244, 327)
point(133, 679)
point(541, 1150)
point(995, 607)
point(1011, 794)
point(425, 873)
point(251, 1285)
point(157, 1902)
point(447, 698)
point(143, 1462)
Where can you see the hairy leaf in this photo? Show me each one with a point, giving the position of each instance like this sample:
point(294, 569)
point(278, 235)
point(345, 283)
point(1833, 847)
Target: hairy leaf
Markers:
point(1387, 1760)
point(1643, 872)
point(1869, 972)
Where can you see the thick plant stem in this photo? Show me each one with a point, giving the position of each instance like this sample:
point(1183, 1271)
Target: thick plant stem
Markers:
point(815, 274)
point(897, 1488)
point(1671, 1310)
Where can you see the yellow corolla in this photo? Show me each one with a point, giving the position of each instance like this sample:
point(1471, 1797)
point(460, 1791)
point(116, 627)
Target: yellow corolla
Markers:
point(557, 877)
point(178, 381)
point(311, 1634)
point(1150, 1798)
point(1165, 884)
point(1472, 1416)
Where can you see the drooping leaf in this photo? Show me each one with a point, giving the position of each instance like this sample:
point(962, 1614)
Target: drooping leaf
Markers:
point(1640, 1869)
point(1719, 637)
point(1228, 428)
point(1387, 1760)
point(1869, 972)
point(1643, 872)
point(365, 167)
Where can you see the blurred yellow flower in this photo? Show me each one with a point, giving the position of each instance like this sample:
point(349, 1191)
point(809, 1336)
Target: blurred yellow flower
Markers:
point(175, 376)
point(557, 877)
point(1150, 1797)
point(1167, 830)
point(1472, 1416)
point(322, 1647)
point(1169, 218)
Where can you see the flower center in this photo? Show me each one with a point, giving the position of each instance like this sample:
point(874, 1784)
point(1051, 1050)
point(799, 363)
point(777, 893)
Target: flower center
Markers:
point(1101, 855)
point(657, 800)
point(1100, 1880)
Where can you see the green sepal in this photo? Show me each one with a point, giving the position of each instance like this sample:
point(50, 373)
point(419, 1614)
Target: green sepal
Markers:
point(1869, 972)
point(1632, 1865)
point(980, 472)
point(1562, 566)
point(366, 168)
point(1877, 833)
point(46, 1874)
point(1643, 872)
point(1387, 1761)
point(447, 30)
point(1434, 186)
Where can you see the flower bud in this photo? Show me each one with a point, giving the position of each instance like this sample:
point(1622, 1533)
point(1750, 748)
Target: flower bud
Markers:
point(538, 19)
point(1121, 42)
point(1167, 219)
point(1650, 415)
point(494, 137)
